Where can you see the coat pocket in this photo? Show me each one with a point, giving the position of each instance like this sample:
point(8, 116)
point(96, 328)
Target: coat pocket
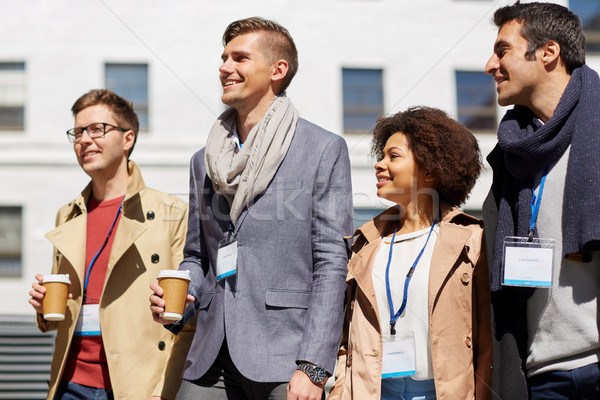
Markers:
point(205, 299)
point(284, 298)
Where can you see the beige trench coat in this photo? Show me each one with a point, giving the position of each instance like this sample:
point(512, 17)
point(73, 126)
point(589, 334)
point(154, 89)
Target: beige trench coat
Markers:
point(459, 307)
point(149, 237)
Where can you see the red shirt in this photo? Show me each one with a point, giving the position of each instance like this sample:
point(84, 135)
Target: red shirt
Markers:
point(86, 362)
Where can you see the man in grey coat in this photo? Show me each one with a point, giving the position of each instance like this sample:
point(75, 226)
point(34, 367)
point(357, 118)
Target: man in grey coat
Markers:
point(270, 202)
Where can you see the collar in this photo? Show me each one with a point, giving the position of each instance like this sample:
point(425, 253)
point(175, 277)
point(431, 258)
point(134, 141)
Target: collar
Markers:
point(135, 184)
point(382, 223)
point(235, 136)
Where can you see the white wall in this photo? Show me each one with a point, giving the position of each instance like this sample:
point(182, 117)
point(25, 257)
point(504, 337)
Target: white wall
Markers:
point(65, 44)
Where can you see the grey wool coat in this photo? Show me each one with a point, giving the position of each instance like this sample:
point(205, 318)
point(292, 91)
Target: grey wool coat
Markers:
point(285, 302)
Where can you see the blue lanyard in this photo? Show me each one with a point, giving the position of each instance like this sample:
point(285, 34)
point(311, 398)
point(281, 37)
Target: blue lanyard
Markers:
point(89, 269)
point(535, 203)
point(394, 317)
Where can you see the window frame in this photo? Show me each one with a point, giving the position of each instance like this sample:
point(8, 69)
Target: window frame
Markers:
point(357, 108)
point(592, 34)
point(19, 92)
point(141, 108)
point(11, 251)
point(475, 111)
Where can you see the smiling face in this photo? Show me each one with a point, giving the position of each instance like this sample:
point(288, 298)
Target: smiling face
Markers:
point(516, 77)
point(245, 74)
point(102, 157)
point(399, 178)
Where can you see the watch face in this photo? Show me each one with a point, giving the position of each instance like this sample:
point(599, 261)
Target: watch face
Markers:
point(319, 375)
point(316, 374)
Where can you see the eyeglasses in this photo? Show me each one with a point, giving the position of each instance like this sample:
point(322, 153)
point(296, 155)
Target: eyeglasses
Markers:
point(94, 131)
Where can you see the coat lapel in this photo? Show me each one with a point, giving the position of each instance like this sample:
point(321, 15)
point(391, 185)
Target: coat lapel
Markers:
point(360, 265)
point(127, 233)
point(448, 247)
point(360, 268)
point(67, 240)
point(130, 225)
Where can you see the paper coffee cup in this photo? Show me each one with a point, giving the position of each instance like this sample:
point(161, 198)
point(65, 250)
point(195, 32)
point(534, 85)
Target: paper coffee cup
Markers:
point(55, 300)
point(175, 287)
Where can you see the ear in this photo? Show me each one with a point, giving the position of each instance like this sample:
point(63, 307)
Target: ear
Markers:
point(550, 52)
point(280, 69)
point(430, 180)
point(128, 140)
point(429, 177)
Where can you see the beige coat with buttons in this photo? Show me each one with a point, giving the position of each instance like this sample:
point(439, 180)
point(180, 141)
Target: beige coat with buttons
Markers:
point(149, 237)
point(459, 307)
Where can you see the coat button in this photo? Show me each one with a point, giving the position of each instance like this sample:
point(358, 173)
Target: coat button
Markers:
point(161, 345)
point(468, 342)
point(465, 278)
point(154, 258)
point(150, 215)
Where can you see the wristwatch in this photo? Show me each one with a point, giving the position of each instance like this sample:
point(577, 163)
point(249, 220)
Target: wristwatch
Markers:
point(316, 374)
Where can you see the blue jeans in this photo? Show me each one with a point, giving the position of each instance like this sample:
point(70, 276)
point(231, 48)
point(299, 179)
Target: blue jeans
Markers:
point(75, 391)
point(407, 389)
point(579, 383)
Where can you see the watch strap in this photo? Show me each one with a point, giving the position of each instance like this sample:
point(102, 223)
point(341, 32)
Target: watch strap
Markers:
point(314, 372)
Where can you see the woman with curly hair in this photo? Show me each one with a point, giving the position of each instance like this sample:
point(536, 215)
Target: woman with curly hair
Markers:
point(417, 323)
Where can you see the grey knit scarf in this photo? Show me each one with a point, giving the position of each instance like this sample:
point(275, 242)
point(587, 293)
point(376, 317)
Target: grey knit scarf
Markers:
point(243, 176)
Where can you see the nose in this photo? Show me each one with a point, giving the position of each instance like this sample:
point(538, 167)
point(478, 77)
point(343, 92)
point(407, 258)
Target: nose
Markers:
point(85, 137)
point(492, 65)
point(380, 165)
point(226, 68)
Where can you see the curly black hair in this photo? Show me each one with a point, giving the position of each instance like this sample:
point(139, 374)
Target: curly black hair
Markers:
point(441, 146)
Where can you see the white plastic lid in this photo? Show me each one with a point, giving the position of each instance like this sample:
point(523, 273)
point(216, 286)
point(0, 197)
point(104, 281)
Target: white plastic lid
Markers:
point(172, 273)
point(171, 316)
point(55, 317)
point(64, 278)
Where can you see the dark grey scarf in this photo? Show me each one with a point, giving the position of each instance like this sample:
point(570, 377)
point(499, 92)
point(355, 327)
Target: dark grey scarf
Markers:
point(524, 149)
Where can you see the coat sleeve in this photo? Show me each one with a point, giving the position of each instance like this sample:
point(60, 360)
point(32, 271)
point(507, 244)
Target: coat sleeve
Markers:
point(342, 356)
point(483, 348)
point(331, 221)
point(170, 380)
point(195, 255)
point(42, 324)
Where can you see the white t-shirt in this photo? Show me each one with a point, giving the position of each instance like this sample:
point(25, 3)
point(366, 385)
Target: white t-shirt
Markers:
point(415, 317)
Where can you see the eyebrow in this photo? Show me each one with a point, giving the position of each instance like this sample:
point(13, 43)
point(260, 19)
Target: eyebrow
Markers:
point(235, 53)
point(392, 148)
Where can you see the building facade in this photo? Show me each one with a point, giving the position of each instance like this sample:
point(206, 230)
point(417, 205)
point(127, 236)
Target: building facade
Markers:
point(358, 59)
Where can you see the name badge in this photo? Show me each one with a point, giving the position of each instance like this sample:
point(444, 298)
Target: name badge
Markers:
point(528, 263)
point(88, 323)
point(226, 258)
point(399, 356)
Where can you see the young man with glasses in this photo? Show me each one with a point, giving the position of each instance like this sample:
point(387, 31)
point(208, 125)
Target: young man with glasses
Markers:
point(112, 240)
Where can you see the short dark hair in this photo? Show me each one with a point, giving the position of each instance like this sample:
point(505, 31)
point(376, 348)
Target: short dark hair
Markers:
point(542, 22)
point(441, 146)
point(276, 43)
point(122, 109)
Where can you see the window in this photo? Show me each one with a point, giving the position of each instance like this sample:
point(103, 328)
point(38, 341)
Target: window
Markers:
point(362, 97)
point(589, 13)
point(10, 241)
point(131, 82)
point(476, 101)
point(12, 96)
